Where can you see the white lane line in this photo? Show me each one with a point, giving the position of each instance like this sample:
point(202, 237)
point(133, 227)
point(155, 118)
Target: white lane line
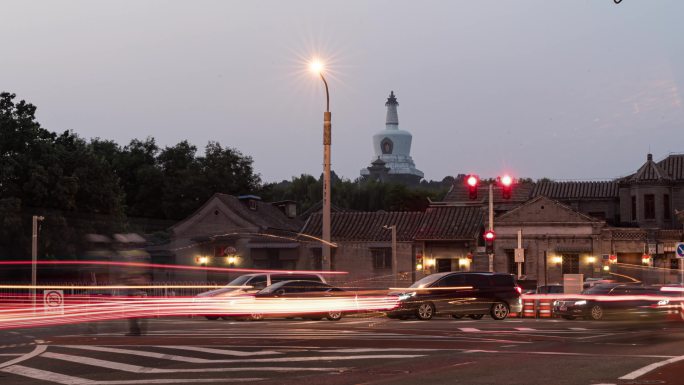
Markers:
point(195, 360)
point(145, 369)
point(469, 330)
point(224, 352)
point(368, 350)
point(525, 329)
point(63, 379)
point(648, 368)
point(578, 328)
point(36, 351)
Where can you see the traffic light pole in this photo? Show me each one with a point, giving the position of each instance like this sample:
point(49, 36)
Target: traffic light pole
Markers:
point(491, 222)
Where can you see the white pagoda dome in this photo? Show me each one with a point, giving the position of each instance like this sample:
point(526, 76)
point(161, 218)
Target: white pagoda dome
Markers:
point(393, 147)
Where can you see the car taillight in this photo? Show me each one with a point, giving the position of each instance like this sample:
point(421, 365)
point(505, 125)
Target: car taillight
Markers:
point(518, 289)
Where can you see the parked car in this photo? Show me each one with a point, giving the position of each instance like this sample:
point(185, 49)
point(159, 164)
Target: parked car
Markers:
point(460, 294)
point(252, 283)
point(301, 289)
point(630, 305)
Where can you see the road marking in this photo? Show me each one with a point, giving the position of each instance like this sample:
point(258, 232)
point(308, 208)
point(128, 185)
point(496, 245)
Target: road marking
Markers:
point(469, 330)
point(35, 352)
point(145, 369)
point(195, 360)
point(63, 379)
point(578, 328)
point(525, 329)
point(648, 368)
point(368, 350)
point(224, 352)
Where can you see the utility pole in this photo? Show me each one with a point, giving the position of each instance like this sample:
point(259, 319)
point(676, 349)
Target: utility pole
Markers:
point(34, 258)
point(519, 248)
point(491, 222)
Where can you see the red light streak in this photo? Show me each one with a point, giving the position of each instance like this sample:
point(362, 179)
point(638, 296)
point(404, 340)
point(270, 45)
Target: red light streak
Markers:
point(17, 311)
point(166, 266)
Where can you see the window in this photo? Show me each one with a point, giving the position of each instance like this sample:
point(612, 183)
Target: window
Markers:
point(512, 265)
point(570, 263)
point(454, 280)
point(477, 280)
point(667, 214)
point(258, 282)
point(382, 257)
point(634, 208)
point(503, 280)
point(649, 206)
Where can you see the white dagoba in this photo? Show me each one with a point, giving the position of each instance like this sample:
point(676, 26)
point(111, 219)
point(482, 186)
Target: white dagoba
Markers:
point(393, 146)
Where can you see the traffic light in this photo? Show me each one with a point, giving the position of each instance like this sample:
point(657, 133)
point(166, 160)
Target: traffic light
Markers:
point(489, 237)
point(506, 183)
point(472, 181)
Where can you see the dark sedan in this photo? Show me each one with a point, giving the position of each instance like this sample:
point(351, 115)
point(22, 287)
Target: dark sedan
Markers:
point(459, 294)
point(629, 300)
point(303, 290)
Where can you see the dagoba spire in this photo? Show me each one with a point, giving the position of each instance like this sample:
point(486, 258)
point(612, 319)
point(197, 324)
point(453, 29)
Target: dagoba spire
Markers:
point(392, 121)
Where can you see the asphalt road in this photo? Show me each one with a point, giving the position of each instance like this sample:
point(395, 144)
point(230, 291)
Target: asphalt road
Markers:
point(352, 351)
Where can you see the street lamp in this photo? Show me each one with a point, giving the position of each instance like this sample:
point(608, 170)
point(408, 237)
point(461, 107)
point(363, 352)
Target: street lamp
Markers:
point(34, 257)
point(317, 67)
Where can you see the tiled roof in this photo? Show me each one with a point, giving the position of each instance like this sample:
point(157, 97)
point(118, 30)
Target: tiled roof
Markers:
point(450, 222)
point(576, 190)
point(366, 226)
point(265, 216)
point(650, 171)
point(436, 223)
point(674, 166)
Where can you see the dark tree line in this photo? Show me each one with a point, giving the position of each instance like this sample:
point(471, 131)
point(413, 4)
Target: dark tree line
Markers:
point(99, 186)
point(359, 194)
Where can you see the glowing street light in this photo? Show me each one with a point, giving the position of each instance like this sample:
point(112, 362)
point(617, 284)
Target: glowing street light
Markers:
point(317, 67)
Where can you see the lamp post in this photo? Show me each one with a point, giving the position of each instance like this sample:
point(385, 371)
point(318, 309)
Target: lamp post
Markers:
point(34, 257)
point(317, 67)
point(395, 270)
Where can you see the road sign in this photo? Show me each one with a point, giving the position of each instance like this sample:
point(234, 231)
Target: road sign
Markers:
point(679, 250)
point(53, 301)
point(519, 255)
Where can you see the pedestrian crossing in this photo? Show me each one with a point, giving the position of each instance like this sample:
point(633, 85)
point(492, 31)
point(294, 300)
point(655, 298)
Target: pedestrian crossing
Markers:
point(178, 364)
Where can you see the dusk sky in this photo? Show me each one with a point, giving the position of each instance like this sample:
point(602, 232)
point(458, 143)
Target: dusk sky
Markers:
point(572, 89)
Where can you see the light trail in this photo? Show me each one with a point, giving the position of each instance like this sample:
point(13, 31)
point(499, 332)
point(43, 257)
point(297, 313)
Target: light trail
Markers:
point(18, 312)
point(166, 266)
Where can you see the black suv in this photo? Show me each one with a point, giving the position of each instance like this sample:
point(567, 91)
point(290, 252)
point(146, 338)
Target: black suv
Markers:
point(459, 294)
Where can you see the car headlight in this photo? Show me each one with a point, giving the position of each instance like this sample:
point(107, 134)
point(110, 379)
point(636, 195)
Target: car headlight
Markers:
point(663, 302)
point(405, 296)
point(556, 303)
point(580, 303)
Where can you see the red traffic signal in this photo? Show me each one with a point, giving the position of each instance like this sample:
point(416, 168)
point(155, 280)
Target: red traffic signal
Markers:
point(506, 183)
point(472, 181)
point(489, 237)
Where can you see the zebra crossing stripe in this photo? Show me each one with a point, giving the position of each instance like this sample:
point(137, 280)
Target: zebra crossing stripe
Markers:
point(64, 379)
point(195, 360)
point(149, 370)
point(225, 352)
